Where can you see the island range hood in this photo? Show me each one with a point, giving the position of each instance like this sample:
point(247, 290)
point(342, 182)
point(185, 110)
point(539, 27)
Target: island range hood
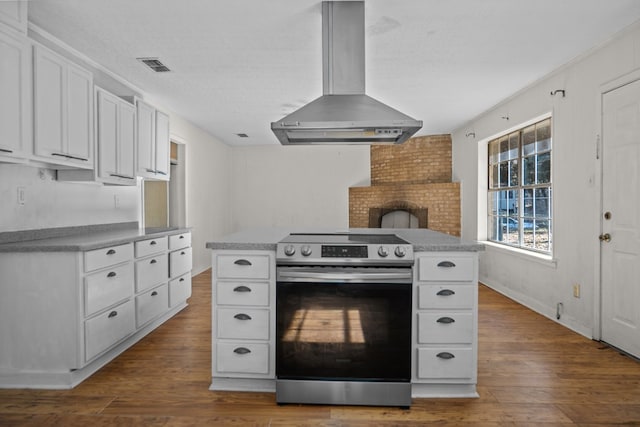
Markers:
point(344, 114)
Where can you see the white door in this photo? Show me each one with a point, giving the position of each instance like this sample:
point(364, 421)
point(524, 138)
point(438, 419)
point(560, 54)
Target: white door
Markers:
point(620, 247)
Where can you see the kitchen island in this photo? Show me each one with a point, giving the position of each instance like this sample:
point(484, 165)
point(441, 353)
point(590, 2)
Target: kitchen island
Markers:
point(443, 311)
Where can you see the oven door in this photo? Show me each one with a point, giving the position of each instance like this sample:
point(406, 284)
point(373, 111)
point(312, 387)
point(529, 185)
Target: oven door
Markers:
point(343, 324)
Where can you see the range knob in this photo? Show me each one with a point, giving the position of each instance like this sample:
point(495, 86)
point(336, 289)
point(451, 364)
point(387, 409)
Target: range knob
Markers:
point(400, 251)
point(305, 250)
point(289, 250)
point(383, 251)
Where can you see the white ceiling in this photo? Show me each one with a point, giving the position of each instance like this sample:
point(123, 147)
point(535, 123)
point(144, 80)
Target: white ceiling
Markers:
point(238, 65)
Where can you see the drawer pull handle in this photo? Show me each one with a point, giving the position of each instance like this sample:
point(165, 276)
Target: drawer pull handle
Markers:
point(446, 264)
point(445, 320)
point(154, 293)
point(181, 279)
point(153, 242)
point(242, 316)
point(242, 262)
point(153, 261)
point(241, 350)
point(182, 253)
point(111, 274)
point(242, 289)
point(445, 293)
point(111, 252)
point(181, 237)
point(445, 355)
point(113, 314)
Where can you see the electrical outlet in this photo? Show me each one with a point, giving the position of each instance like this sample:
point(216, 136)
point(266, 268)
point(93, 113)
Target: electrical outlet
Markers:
point(22, 198)
point(576, 290)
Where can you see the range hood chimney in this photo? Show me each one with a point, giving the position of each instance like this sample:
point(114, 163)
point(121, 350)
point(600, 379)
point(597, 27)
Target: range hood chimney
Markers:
point(344, 114)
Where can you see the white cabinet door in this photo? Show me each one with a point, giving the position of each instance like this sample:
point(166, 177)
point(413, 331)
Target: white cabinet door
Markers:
point(107, 135)
point(15, 101)
point(116, 139)
point(63, 110)
point(146, 139)
point(162, 145)
point(127, 140)
point(49, 77)
point(79, 109)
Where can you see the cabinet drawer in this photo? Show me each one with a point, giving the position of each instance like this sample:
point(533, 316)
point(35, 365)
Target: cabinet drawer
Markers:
point(445, 363)
point(446, 268)
point(243, 293)
point(242, 266)
point(101, 258)
point(106, 329)
point(446, 296)
point(107, 287)
point(445, 328)
point(179, 241)
point(180, 262)
point(151, 246)
point(151, 304)
point(241, 323)
point(151, 271)
point(179, 289)
point(242, 358)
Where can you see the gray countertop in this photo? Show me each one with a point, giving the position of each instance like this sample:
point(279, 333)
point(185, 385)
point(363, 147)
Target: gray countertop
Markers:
point(266, 238)
point(73, 239)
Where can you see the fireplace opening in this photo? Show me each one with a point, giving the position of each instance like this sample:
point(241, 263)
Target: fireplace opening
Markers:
point(398, 215)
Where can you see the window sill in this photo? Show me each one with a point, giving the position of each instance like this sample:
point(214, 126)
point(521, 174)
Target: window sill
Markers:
point(546, 260)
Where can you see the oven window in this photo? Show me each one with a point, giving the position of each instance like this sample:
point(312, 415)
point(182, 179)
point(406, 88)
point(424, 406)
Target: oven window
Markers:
point(343, 331)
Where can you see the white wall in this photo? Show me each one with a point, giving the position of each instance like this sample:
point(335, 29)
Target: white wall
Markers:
point(538, 283)
point(296, 185)
point(207, 181)
point(50, 203)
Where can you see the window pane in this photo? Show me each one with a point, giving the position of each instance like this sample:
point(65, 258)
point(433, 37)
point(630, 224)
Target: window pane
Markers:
point(504, 148)
point(494, 152)
point(529, 170)
point(542, 203)
point(513, 173)
point(543, 136)
point(543, 166)
point(493, 202)
point(514, 141)
point(528, 140)
point(494, 176)
point(528, 201)
point(504, 174)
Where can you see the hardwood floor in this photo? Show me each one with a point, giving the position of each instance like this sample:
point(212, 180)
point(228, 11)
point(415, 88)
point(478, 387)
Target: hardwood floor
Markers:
point(531, 372)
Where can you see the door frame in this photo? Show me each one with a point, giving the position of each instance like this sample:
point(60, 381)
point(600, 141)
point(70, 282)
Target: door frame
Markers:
point(599, 182)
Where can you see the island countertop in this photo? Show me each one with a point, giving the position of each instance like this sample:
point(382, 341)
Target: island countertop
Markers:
point(423, 240)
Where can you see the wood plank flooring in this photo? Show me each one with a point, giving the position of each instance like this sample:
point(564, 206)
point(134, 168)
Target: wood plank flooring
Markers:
point(532, 372)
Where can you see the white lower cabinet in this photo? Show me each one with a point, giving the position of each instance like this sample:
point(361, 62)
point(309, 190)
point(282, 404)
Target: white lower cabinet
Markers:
point(445, 324)
point(63, 315)
point(151, 304)
point(104, 330)
point(243, 320)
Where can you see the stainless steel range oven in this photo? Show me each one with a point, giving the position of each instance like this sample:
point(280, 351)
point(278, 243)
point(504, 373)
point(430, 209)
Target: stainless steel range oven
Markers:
point(343, 319)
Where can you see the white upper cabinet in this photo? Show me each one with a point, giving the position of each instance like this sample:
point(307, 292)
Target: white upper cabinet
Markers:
point(14, 14)
point(116, 133)
point(63, 111)
point(153, 142)
point(15, 101)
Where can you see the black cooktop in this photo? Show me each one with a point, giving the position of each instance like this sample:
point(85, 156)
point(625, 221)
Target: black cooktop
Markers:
point(345, 239)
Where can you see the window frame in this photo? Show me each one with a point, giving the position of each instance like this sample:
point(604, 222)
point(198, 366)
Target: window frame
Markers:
point(505, 195)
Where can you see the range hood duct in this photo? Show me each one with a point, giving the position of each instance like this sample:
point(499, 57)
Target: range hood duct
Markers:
point(344, 114)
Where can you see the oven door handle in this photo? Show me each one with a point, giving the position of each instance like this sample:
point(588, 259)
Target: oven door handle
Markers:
point(314, 276)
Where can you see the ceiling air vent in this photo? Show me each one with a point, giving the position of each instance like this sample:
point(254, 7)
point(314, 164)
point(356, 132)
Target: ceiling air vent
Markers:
point(154, 64)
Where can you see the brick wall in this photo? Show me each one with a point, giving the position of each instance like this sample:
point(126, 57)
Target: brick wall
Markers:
point(416, 173)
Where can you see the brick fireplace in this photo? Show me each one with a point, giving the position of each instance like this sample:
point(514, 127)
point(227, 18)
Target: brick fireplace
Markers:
point(413, 177)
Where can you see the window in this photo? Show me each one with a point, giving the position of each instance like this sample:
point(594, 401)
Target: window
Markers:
point(519, 204)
